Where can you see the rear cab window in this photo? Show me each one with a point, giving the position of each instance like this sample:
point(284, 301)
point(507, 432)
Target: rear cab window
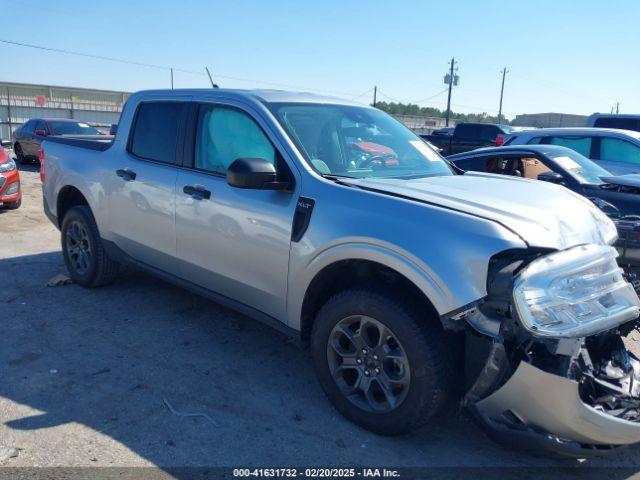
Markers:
point(155, 132)
point(468, 131)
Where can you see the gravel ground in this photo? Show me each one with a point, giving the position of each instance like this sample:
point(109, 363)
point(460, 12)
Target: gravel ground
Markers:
point(102, 377)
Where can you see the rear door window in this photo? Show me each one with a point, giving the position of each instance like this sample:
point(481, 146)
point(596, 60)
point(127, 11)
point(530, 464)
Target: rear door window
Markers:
point(155, 133)
point(582, 145)
point(617, 150)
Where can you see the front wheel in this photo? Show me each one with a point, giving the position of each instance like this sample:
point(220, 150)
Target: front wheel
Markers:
point(384, 365)
point(84, 255)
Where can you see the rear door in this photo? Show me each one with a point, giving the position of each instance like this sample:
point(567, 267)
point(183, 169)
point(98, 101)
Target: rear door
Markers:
point(233, 241)
point(142, 196)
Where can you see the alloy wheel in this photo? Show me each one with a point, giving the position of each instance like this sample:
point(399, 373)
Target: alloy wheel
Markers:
point(368, 364)
point(78, 247)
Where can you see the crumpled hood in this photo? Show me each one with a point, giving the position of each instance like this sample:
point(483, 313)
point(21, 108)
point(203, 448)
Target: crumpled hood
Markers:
point(542, 214)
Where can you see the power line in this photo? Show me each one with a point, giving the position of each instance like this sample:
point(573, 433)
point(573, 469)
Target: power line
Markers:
point(422, 100)
point(168, 68)
point(99, 57)
point(362, 94)
point(431, 97)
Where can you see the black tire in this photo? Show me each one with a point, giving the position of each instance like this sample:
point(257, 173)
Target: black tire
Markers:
point(13, 205)
point(100, 269)
point(429, 351)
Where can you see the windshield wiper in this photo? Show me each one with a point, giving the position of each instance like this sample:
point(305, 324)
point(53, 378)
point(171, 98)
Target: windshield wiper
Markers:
point(335, 176)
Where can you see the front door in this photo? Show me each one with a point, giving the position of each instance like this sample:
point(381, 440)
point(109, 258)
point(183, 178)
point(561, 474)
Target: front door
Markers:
point(142, 197)
point(233, 241)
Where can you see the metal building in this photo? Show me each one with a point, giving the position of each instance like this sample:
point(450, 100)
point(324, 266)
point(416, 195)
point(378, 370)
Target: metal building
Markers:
point(422, 125)
point(549, 120)
point(21, 101)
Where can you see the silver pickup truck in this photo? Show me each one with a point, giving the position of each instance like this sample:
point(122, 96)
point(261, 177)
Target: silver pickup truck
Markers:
point(416, 287)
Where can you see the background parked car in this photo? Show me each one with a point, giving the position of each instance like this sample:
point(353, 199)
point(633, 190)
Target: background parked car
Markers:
point(10, 192)
point(618, 151)
point(612, 120)
point(443, 132)
point(28, 137)
point(617, 196)
point(469, 136)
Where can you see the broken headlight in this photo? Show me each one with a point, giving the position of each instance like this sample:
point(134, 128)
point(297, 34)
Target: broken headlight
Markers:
point(574, 293)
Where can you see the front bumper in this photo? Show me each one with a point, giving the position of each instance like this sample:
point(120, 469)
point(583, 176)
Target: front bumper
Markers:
point(579, 405)
point(573, 396)
point(540, 404)
point(7, 179)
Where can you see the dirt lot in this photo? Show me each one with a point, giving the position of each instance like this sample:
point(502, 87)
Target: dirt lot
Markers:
point(102, 377)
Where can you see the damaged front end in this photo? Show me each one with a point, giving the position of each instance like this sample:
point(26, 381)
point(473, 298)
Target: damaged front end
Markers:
point(546, 367)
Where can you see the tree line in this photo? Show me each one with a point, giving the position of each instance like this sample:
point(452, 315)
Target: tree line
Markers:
point(413, 109)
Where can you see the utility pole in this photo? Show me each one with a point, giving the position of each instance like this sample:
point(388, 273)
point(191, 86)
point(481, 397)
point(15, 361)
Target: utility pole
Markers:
point(504, 74)
point(375, 95)
point(451, 79)
point(171, 78)
point(617, 107)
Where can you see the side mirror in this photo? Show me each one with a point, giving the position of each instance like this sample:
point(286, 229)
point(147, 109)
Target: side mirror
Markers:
point(6, 143)
point(41, 133)
point(254, 173)
point(551, 177)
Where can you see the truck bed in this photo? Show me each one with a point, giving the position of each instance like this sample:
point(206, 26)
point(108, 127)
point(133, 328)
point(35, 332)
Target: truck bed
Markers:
point(91, 142)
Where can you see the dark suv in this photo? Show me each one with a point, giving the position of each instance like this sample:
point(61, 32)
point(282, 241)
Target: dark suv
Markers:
point(28, 137)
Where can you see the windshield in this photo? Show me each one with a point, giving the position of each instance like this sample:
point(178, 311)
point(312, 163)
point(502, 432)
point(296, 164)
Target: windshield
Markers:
point(71, 128)
point(357, 142)
point(581, 168)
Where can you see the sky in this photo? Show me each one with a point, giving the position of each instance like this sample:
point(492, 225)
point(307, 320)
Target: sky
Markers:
point(562, 56)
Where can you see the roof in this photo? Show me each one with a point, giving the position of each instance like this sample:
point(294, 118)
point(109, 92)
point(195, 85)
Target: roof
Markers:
point(543, 149)
point(260, 95)
point(54, 119)
point(595, 131)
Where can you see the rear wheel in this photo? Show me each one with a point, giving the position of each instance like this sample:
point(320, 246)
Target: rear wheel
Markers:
point(84, 254)
point(382, 364)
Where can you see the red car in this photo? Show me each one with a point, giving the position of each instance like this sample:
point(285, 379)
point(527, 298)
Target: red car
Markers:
point(10, 191)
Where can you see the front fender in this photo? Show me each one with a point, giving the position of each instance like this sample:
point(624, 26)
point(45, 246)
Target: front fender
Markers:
point(402, 262)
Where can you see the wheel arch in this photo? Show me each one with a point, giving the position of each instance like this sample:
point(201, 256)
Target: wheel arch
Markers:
point(348, 266)
point(68, 197)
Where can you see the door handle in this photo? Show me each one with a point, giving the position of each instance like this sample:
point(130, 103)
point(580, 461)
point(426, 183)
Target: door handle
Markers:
point(197, 191)
point(126, 173)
